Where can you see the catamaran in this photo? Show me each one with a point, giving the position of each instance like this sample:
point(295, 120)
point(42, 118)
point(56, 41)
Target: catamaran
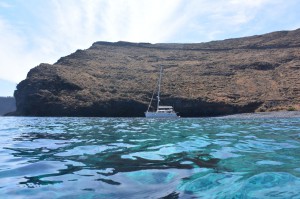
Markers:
point(161, 111)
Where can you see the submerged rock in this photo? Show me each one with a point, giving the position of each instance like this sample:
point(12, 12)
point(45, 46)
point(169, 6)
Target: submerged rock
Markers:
point(258, 73)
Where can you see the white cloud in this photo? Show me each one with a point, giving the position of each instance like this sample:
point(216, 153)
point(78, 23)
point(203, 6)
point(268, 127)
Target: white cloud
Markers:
point(11, 54)
point(214, 18)
point(55, 28)
point(5, 5)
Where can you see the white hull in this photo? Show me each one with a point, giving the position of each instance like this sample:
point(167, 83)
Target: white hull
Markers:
point(161, 111)
point(160, 115)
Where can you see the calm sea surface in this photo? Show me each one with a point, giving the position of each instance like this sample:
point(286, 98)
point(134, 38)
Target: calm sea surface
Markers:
point(146, 158)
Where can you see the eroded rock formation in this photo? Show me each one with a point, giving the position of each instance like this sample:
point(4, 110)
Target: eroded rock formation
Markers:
point(258, 73)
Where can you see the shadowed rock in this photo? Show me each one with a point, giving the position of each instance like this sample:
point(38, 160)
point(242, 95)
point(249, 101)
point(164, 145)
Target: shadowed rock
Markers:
point(7, 105)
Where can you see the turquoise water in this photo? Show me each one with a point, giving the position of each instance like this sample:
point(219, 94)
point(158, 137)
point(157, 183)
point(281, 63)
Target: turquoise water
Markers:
point(144, 158)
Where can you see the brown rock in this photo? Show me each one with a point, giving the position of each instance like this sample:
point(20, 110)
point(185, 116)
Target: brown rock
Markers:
point(258, 73)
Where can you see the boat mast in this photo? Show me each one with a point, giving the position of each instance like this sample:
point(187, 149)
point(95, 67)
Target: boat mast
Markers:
point(159, 81)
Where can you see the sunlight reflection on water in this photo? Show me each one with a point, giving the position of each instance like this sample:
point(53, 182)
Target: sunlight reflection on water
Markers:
point(140, 158)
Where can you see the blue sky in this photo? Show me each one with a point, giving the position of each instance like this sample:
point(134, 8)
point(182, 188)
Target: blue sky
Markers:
point(38, 31)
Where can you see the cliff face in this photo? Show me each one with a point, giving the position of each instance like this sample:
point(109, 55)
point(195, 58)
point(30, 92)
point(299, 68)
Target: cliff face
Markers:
point(7, 104)
point(258, 73)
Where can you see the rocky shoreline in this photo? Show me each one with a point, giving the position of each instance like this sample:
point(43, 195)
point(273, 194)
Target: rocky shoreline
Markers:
point(275, 114)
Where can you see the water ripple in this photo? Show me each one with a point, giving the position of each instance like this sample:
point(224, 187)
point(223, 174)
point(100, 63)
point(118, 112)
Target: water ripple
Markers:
point(141, 158)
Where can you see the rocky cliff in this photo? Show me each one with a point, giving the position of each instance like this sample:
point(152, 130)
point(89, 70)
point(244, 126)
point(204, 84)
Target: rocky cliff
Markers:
point(257, 73)
point(7, 105)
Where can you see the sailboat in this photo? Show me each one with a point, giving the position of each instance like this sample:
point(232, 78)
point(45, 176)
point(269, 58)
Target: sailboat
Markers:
point(161, 111)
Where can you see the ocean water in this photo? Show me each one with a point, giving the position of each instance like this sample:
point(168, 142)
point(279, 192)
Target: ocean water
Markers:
point(147, 158)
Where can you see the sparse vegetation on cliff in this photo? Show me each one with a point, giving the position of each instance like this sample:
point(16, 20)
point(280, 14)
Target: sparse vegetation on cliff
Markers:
point(290, 108)
point(206, 79)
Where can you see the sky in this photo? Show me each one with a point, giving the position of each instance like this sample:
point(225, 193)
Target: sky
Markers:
point(40, 31)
